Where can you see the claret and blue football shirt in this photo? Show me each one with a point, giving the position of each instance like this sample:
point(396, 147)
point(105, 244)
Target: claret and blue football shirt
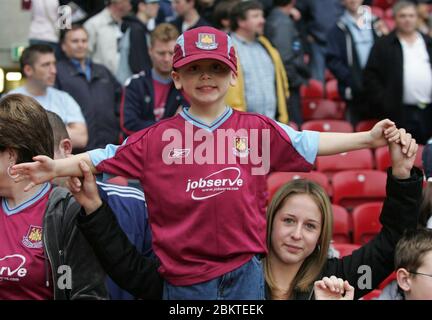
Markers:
point(205, 186)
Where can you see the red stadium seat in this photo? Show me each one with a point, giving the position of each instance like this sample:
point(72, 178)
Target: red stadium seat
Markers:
point(317, 108)
point(388, 14)
point(387, 281)
point(314, 89)
point(374, 294)
point(332, 92)
point(328, 126)
point(383, 161)
point(277, 179)
point(366, 222)
point(377, 12)
point(353, 160)
point(365, 125)
point(328, 75)
point(345, 249)
point(341, 225)
point(352, 188)
point(390, 23)
point(118, 180)
point(384, 4)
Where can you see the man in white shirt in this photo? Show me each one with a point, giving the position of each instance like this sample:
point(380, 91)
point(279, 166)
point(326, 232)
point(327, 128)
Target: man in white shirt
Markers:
point(105, 33)
point(44, 16)
point(398, 75)
point(38, 64)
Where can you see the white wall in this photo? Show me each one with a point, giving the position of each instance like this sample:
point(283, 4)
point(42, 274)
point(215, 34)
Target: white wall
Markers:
point(14, 26)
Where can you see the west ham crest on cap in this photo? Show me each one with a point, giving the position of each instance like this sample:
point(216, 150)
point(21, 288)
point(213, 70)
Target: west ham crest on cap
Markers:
point(206, 41)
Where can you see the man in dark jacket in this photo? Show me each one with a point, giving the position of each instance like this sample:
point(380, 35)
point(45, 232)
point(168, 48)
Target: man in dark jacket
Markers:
point(348, 46)
point(281, 30)
point(134, 56)
point(92, 86)
point(187, 15)
point(150, 95)
point(398, 75)
point(317, 19)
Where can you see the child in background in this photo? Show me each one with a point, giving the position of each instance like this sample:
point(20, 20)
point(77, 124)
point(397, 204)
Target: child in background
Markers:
point(413, 261)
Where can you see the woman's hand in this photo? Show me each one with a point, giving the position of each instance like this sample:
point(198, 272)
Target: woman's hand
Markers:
point(403, 155)
point(333, 289)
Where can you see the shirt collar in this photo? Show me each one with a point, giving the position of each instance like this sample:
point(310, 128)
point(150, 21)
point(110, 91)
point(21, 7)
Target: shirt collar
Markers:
point(241, 39)
point(77, 64)
point(108, 17)
point(157, 77)
point(349, 19)
point(28, 203)
point(213, 126)
point(79, 70)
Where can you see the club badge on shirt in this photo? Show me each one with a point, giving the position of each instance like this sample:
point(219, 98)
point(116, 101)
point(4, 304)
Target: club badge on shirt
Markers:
point(241, 147)
point(33, 238)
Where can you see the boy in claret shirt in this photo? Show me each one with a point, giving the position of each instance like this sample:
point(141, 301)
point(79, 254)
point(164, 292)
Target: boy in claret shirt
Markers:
point(203, 172)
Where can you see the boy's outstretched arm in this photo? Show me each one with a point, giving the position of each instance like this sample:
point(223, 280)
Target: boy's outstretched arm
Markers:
point(44, 169)
point(382, 133)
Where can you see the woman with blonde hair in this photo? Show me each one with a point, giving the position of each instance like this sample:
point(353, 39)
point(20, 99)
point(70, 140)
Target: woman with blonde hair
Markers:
point(299, 231)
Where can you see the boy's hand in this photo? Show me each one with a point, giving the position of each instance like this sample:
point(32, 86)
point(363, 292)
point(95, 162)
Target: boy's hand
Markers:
point(40, 171)
point(384, 132)
point(333, 289)
point(403, 155)
point(85, 192)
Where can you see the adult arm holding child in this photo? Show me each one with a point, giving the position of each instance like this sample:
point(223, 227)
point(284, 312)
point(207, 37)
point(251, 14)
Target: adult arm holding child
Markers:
point(130, 269)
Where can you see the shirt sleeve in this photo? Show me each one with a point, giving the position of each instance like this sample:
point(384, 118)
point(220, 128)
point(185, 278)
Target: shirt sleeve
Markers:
point(292, 150)
point(127, 160)
point(73, 111)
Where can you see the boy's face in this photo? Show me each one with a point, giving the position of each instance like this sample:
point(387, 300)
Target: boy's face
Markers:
point(418, 285)
point(205, 82)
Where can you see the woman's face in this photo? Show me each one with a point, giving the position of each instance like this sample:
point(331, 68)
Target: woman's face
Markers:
point(296, 229)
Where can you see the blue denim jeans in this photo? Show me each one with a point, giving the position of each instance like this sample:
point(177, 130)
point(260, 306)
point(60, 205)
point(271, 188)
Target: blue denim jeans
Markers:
point(243, 283)
point(317, 61)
